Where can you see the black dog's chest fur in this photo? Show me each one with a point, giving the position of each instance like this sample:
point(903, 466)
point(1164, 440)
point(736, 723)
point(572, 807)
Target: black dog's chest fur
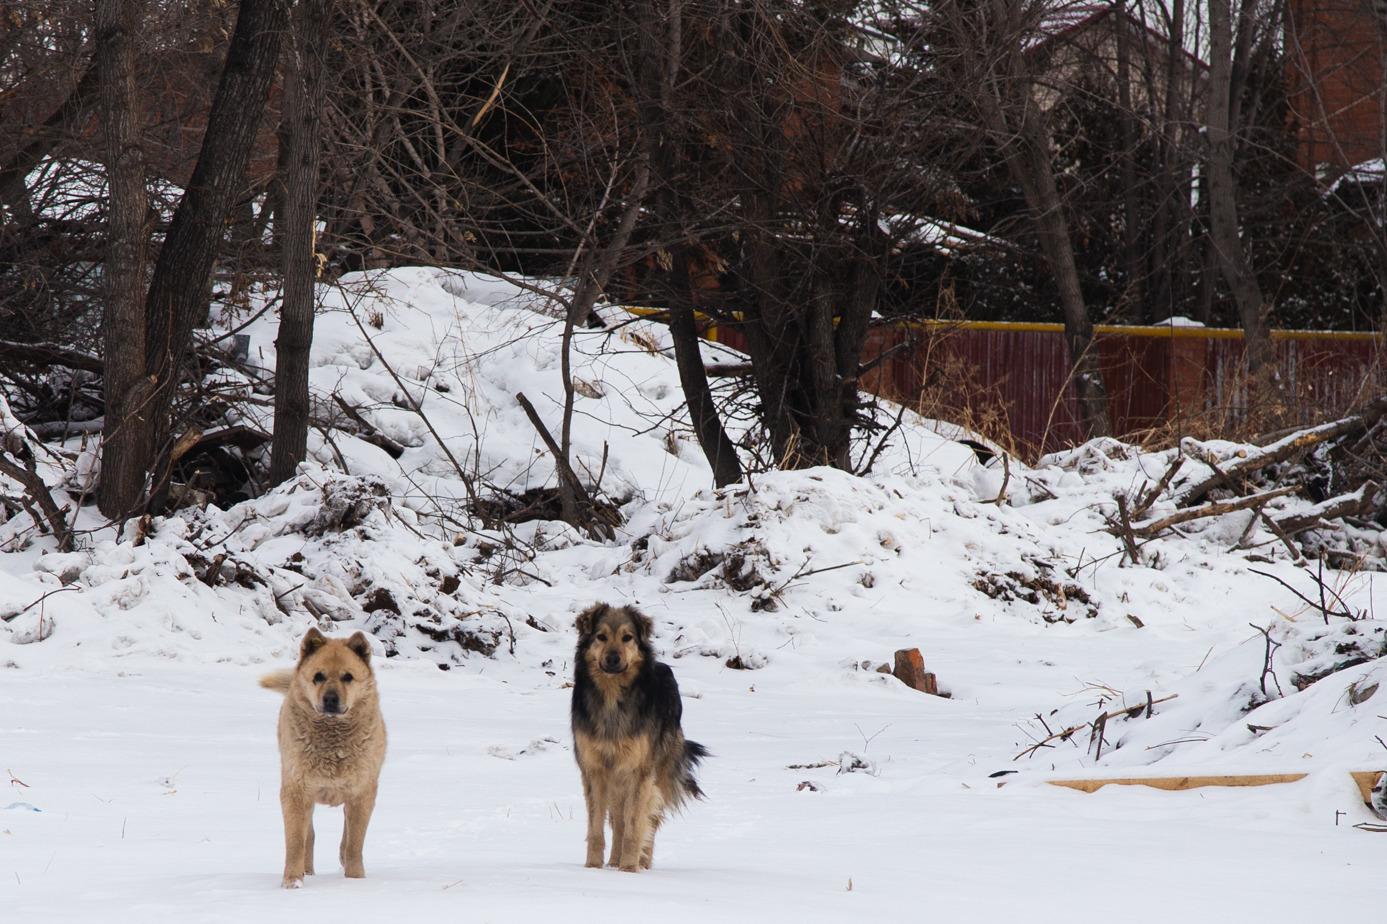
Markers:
point(649, 706)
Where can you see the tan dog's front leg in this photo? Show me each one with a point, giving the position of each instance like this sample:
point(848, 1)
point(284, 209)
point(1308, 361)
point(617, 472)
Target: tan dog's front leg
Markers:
point(358, 816)
point(637, 823)
point(618, 798)
point(595, 795)
point(298, 818)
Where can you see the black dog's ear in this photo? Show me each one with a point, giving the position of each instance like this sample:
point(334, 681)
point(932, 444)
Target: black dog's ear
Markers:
point(644, 627)
point(588, 617)
point(360, 646)
point(312, 641)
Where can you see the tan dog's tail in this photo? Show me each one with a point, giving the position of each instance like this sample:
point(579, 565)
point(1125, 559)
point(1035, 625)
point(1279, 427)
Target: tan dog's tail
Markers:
point(278, 681)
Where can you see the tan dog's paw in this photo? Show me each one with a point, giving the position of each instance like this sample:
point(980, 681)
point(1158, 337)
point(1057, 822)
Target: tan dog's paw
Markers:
point(292, 883)
point(355, 871)
point(630, 869)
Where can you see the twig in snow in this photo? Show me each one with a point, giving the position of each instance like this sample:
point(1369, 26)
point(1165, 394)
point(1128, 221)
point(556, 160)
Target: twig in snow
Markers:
point(1130, 712)
point(1001, 497)
point(1267, 658)
point(9, 617)
point(1322, 606)
point(1124, 525)
point(1145, 501)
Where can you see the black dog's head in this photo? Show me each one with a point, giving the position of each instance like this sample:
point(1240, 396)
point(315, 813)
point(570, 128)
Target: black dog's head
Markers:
point(614, 640)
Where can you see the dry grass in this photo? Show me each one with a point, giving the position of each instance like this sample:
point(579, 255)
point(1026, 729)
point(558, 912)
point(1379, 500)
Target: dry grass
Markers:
point(955, 392)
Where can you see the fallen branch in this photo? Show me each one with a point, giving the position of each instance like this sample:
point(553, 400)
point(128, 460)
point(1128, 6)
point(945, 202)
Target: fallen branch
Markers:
point(18, 463)
point(1296, 556)
point(1124, 526)
point(1145, 501)
point(1345, 505)
point(594, 519)
point(1152, 528)
point(728, 370)
point(49, 354)
point(367, 431)
point(62, 429)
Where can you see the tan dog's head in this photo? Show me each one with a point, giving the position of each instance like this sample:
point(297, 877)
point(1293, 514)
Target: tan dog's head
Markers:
point(335, 673)
point(614, 640)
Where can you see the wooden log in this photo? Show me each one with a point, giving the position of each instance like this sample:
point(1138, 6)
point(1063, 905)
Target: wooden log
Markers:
point(1180, 783)
point(1152, 528)
point(1351, 504)
point(1366, 780)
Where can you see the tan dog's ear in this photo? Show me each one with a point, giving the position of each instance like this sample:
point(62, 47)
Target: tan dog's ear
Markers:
point(644, 627)
point(312, 641)
point(587, 617)
point(360, 645)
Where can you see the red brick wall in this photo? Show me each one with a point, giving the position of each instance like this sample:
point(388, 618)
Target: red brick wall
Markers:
point(1335, 54)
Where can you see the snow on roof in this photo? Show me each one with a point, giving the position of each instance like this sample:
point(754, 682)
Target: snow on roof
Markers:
point(1369, 171)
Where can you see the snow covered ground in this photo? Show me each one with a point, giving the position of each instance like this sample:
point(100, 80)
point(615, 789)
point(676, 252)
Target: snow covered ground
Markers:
point(142, 771)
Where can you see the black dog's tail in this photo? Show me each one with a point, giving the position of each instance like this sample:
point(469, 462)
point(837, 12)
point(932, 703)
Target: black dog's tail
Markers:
point(693, 756)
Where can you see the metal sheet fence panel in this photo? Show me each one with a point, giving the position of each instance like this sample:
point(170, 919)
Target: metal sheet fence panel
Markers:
point(1156, 377)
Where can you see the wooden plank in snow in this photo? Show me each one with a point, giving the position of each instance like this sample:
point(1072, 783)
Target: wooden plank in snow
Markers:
point(1177, 783)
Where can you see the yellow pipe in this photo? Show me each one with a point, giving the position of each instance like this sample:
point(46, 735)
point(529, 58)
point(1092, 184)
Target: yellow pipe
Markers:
point(1156, 330)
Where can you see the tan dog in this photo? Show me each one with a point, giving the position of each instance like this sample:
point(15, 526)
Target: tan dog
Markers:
point(331, 747)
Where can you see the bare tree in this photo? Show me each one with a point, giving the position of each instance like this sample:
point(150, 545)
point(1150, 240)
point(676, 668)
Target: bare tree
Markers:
point(659, 64)
point(127, 390)
point(178, 291)
point(987, 47)
point(305, 99)
point(1226, 63)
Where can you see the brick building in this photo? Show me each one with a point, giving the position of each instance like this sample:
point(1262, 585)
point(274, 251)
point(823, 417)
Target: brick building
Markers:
point(1335, 62)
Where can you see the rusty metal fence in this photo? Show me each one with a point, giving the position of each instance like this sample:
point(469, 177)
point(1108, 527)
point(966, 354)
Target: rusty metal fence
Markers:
point(1158, 378)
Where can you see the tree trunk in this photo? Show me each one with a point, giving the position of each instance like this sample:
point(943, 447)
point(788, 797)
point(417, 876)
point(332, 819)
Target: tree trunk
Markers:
point(1033, 171)
point(659, 59)
point(178, 292)
point(125, 433)
point(1223, 207)
point(1133, 297)
point(303, 112)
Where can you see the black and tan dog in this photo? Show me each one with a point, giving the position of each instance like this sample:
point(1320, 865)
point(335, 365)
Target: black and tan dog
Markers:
point(630, 747)
point(331, 747)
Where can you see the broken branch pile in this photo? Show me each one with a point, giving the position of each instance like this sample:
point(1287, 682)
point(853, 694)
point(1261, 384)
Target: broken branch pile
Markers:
point(1339, 467)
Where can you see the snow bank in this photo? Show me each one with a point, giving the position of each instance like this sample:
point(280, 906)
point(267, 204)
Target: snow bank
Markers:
point(812, 574)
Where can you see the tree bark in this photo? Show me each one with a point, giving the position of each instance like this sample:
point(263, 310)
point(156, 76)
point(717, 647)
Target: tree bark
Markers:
point(659, 57)
point(125, 434)
point(1031, 167)
point(1253, 311)
point(178, 291)
point(304, 100)
point(1134, 295)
